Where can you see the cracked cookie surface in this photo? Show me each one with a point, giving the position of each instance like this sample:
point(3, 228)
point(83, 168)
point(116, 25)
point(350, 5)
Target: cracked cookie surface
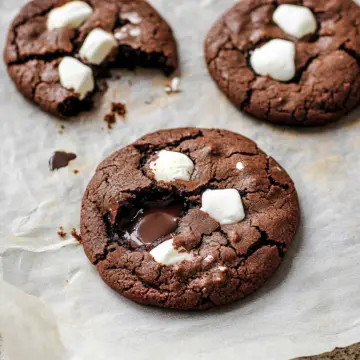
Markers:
point(228, 261)
point(33, 52)
point(327, 81)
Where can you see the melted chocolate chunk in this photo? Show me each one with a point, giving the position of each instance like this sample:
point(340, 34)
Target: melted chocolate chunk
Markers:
point(150, 225)
point(60, 159)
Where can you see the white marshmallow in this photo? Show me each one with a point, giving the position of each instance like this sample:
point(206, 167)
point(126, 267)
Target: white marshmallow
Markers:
point(97, 46)
point(240, 165)
point(275, 59)
point(225, 206)
point(135, 31)
point(72, 14)
point(171, 165)
point(133, 17)
point(295, 20)
point(166, 254)
point(76, 76)
point(122, 34)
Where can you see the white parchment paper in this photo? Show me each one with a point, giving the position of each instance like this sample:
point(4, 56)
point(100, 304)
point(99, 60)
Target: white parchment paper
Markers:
point(52, 303)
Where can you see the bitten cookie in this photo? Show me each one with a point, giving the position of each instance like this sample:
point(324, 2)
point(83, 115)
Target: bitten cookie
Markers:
point(293, 62)
point(188, 218)
point(56, 49)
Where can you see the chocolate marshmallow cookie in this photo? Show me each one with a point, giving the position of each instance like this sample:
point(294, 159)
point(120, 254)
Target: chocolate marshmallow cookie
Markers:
point(188, 218)
point(56, 49)
point(292, 62)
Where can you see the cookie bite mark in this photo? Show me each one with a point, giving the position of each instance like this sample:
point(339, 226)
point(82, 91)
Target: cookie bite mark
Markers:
point(71, 14)
point(102, 34)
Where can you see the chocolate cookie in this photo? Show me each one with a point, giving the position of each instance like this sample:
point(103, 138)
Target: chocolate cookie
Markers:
point(56, 49)
point(188, 218)
point(292, 62)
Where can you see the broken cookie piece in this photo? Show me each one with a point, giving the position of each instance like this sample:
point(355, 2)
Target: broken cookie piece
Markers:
point(171, 221)
point(57, 49)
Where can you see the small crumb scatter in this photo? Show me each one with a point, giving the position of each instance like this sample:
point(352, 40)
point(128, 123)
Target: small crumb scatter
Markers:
point(110, 119)
point(174, 86)
point(75, 235)
point(118, 108)
point(61, 232)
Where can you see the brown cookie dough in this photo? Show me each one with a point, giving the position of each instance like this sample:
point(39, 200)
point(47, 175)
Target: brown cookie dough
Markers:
point(327, 81)
point(227, 262)
point(347, 353)
point(33, 52)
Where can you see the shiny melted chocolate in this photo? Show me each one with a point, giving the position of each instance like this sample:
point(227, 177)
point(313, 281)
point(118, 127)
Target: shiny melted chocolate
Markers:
point(153, 224)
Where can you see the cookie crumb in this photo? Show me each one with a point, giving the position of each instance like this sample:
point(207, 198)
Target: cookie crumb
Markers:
point(75, 235)
point(103, 85)
point(110, 119)
point(62, 127)
point(61, 232)
point(119, 108)
point(76, 171)
point(174, 86)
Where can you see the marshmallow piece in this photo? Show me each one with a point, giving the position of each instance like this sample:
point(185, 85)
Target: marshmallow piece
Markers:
point(225, 206)
point(97, 46)
point(72, 14)
point(240, 165)
point(275, 59)
point(133, 17)
point(171, 165)
point(166, 254)
point(295, 20)
point(76, 76)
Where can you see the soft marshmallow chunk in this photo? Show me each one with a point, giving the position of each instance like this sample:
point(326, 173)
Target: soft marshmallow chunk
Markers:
point(224, 205)
point(275, 59)
point(240, 165)
point(97, 46)
point(76, 76)
point(295, 20)
point(72, 14)
point(166, 254)
point(171, 165)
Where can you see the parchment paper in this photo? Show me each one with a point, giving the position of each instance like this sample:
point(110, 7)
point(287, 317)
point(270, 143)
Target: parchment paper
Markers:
point(52, 303)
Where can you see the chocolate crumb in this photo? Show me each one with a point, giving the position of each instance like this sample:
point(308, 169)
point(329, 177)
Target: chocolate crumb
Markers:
point(61, 232)
point(103, 85)
point(110, 119)
point(60, 159)
point(118, 108)
point(76, 171)
point(75, 235)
